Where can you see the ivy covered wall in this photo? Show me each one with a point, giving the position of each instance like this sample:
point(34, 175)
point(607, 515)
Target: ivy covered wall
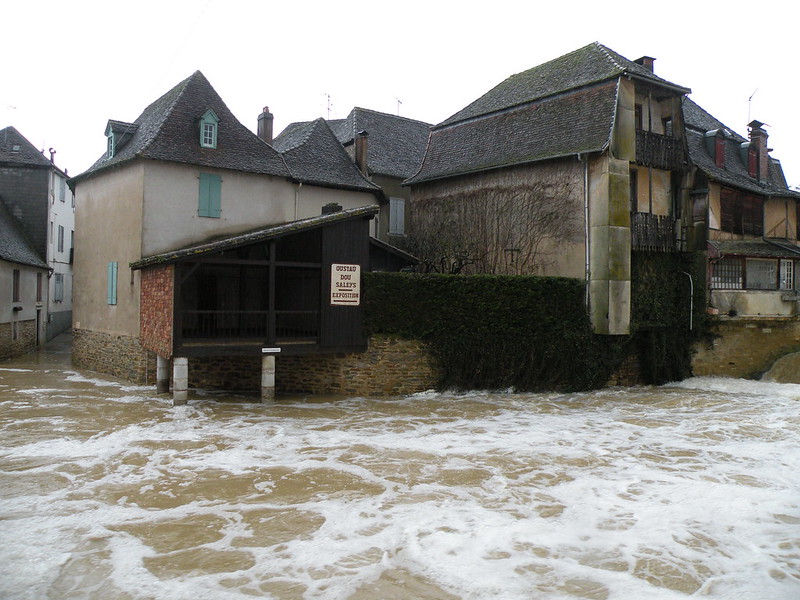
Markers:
point(533, 333)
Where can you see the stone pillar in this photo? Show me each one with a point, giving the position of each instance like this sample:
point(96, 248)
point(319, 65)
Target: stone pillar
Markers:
point(268, 378)
point(180, 380)
point(162, 374)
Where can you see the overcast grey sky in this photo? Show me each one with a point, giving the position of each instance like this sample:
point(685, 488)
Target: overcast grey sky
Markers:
point(68, 67)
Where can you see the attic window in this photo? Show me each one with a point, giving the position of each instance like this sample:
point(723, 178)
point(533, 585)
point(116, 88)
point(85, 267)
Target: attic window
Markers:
point(110, 148)
point(15, 148)
point(208, 129)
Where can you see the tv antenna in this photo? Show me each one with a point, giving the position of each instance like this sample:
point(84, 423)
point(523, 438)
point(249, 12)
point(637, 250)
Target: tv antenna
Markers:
point(399, 102)
point(749, 102)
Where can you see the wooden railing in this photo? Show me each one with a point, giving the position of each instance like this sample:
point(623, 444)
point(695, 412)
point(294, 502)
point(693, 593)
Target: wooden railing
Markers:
point(659, 151)
point(655, 233)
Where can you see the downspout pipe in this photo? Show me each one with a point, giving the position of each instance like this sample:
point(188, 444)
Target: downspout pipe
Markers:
point(297, 198)
point(586, 227)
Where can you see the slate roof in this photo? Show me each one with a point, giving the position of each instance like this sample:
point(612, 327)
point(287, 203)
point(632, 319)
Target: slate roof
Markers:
point(168, 130)
point(735, 173)
point(14, 244)
point(553, 127)
point(255, 236)
point(562, 107)
point(315, 156)
point(586, 66)
point(26, 155)
point(395, 144)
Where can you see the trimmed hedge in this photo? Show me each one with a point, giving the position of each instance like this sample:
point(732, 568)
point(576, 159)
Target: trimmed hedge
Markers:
point(533, 333)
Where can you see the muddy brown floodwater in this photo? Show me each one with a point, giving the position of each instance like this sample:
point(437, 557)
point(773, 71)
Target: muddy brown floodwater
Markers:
point(108, 492)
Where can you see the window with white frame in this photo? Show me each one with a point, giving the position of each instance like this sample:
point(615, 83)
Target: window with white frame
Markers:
point(209, 124)
point(787, 274)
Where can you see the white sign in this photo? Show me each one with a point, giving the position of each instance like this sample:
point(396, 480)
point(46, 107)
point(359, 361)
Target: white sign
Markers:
point(345, 285)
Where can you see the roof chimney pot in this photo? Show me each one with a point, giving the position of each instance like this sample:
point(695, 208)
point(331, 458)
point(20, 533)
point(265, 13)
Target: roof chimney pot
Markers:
point(646, 62)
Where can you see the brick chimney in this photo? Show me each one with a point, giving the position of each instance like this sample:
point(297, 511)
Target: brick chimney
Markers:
point(758, 138)
point(265, 125)
point(361, 152)
point(646, 62)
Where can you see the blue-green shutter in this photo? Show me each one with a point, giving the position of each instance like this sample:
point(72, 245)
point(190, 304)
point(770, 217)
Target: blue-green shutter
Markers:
point(112, 283)
point(210, 195)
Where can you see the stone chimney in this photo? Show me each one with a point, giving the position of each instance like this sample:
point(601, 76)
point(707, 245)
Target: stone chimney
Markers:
point(265, 125)
point(758, 138)
point(361, 152)
point(646, 62)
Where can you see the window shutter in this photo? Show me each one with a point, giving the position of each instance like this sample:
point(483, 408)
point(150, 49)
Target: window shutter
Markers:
point(397, 216)
point(112, 283)
point(210, 202)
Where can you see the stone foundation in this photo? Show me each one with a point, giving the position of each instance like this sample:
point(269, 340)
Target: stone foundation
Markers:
point(117, 355)
point(389, 367)
point(747, 347)
point(25, 339)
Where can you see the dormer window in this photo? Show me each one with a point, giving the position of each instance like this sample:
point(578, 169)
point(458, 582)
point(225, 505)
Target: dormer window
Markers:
point(110, 147)
point(209, 123)
point(752, 161)
point(719, 150)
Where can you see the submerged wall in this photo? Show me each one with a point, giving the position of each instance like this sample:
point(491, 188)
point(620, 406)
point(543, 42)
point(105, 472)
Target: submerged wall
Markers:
point(747, 347)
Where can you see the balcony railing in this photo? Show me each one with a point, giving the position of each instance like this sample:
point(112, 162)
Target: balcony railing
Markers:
point(654, 233)
point(659, 151)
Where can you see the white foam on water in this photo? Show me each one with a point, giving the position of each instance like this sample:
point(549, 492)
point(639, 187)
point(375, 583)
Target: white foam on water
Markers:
point(690, 489)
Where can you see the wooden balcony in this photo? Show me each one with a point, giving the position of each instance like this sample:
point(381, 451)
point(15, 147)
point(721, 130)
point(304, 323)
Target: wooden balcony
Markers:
point(653, 233)
point(659, 151)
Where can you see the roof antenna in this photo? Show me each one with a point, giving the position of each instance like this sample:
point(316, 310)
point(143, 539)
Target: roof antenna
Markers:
point(749, 102)
point(328, 97)
point(399, 102)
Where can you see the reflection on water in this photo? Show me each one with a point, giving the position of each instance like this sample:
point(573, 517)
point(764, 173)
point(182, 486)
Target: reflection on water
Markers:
point(108, 492)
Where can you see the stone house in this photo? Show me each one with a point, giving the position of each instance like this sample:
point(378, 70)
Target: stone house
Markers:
point(35, 191)
point(747, 216)
point(564, 169)
point(388, 149)
point(198, 240)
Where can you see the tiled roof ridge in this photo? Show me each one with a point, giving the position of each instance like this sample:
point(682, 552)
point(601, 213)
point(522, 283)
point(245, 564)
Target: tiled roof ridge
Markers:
point(605, 51)
point(379, 112)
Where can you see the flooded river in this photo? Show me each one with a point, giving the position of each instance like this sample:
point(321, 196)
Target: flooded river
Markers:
point(108, 492)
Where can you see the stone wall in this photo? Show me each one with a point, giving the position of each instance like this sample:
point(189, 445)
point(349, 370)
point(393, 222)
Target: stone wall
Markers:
point(747, 347)
point(25, 339)
point(118, 355)
point(389, 367)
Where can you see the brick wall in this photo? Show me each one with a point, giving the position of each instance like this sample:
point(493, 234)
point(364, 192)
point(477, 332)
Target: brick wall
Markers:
point(25, 341)
point(118, 355)
point(157, 293)
point(747, 347)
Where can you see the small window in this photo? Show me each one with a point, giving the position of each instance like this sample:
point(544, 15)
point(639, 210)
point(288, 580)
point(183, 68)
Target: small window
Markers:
point(112, 283)
point(110, 146)
point(210, 202)
point(60, 238)
point(15, 286)
point(667, 123)
point(638, 116)
point(58, 287)
point(208, 129)
point(762, 274)
point(397, 216)
point(62, 189)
